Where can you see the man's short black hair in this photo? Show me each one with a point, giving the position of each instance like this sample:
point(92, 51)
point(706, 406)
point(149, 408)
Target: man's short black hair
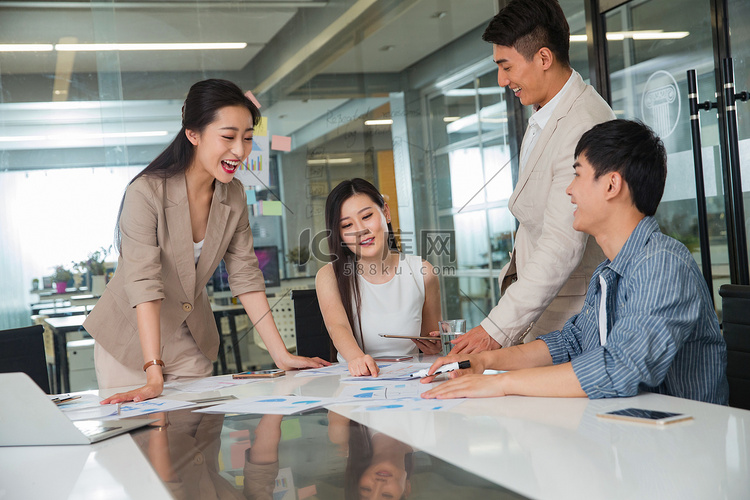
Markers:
point(633, 150)
point(529, 25)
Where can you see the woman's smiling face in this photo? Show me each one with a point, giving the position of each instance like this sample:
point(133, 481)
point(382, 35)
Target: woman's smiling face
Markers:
point(364, 226)
point(224, 144)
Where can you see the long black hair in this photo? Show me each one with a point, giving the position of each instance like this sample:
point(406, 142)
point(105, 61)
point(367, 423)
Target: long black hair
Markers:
point(204, 100)
point(342, 258)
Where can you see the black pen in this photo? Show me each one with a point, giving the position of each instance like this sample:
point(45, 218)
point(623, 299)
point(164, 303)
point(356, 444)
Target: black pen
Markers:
point(445, 368)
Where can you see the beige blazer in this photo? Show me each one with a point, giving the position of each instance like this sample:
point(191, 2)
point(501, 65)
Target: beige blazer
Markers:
point(157, 262)
point(551, 263)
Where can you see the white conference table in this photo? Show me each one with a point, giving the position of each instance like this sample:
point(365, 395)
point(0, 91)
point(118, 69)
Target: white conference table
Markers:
point(542, 448)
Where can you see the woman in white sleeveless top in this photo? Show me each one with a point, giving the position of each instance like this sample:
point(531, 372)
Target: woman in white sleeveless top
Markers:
point(370, 288)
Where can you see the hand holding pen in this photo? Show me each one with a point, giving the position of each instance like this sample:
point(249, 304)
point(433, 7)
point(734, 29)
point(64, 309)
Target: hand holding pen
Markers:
point(455, 365)
point(459, 365)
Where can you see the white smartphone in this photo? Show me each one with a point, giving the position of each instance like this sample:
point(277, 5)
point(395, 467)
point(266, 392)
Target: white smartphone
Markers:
point(645, 416)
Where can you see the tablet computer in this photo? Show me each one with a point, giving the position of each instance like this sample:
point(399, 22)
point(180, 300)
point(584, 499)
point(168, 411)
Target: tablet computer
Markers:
point(260, 374)
point(410, 337)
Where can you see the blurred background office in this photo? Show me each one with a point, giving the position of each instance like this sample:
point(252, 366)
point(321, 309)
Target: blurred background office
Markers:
point(401, 92)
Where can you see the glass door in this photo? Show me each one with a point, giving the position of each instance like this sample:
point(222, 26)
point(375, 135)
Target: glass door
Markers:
point(651, 44)
point(738, 14)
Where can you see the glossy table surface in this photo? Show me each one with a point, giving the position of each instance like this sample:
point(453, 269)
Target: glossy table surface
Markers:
point(511, 447)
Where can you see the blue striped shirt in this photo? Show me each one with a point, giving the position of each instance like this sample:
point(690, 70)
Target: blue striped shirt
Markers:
point(663, 332)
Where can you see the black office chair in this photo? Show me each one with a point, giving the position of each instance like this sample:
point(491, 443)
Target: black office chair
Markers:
point(312, 335)
point(22, 350)
point(735, 303)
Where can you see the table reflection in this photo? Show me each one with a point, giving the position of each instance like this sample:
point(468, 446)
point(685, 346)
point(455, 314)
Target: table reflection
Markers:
point(318, 455)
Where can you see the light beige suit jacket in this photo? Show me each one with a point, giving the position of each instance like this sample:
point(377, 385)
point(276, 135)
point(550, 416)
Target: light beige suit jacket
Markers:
point(551, 263)
point(157, 263)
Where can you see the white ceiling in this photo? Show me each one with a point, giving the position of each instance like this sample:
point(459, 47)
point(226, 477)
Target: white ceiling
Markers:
point(418, 32)
point(414, 28)
point(255, 27)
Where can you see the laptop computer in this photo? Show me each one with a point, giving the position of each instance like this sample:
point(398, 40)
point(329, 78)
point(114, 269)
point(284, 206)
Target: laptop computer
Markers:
point(29, 418)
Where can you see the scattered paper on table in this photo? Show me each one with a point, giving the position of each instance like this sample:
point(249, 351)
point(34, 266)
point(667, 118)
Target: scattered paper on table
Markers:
point(386, 389)
point(147, 407)
point(334, 369)
point(395, 371)
point(208, 384)
point(276, 405)
point(409, 404)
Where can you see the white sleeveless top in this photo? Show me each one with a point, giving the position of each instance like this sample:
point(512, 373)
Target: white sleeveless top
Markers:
point(394, 307)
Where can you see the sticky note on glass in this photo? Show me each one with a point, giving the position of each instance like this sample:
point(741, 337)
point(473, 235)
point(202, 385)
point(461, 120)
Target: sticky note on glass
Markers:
point(261, 129)
point(250, 96)
point(250, 193)
point(281, 143)
point(271, 207)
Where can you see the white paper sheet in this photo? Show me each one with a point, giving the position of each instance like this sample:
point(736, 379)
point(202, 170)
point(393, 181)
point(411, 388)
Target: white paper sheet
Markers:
point(147, 407)
point(276, 405)
point(395, 371)
point(334, 369)
point(409, 404)
point(209, 384)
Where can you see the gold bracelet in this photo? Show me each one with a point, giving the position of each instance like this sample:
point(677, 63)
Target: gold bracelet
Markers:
point(153, 362)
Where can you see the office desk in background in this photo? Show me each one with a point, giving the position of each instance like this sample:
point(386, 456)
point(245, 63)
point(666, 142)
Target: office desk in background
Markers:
point(542, 448)
point(58, 312)
point(60, 327)
point(228, 311)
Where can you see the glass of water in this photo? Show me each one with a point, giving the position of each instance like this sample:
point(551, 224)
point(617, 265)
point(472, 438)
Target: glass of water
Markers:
point(450, 330)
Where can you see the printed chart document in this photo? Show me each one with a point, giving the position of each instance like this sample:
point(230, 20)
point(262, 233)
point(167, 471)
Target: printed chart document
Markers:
point(409, 404)
point(88, 408)
point(334, 369)
point(209, 384)
point(148, 406)
point(276, 405)
point(386, 389)
point(394, 371)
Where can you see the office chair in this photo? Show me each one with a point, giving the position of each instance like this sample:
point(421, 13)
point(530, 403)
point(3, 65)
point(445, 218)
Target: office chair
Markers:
point(22, 350)
point(735, 302)
point(312, 335)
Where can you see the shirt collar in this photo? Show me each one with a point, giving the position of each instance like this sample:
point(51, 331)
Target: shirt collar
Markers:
point(635, 242)
point(541, 116)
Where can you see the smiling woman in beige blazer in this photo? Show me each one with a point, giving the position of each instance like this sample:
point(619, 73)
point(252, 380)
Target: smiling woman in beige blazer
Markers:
point(179, 218)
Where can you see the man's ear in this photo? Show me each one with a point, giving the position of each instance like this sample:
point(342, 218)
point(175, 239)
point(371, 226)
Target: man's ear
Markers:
point(192, 136)
point(614, 184)
point(546, 57)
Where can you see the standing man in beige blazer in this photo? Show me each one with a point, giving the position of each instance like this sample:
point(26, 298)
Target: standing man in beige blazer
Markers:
point(551, 264)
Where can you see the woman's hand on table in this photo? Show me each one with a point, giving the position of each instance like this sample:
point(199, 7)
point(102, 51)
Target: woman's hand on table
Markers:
point(430, 346)
point(363, 366)
point(293, 362)
point(148, 391)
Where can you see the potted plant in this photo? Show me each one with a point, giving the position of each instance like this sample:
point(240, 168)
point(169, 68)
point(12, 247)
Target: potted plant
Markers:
point(95, 268)
point(61, 276)
point(299, 256)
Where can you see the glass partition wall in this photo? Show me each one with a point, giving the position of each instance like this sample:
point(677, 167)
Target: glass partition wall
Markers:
point(86, 103)
point(400, 92)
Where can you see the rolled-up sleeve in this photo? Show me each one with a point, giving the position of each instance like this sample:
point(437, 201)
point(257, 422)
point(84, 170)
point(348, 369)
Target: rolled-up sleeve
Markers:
point(242, 264)
point(140, 249)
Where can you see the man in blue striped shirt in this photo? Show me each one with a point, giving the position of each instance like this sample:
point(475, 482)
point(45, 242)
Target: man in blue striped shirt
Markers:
point(647, 323)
